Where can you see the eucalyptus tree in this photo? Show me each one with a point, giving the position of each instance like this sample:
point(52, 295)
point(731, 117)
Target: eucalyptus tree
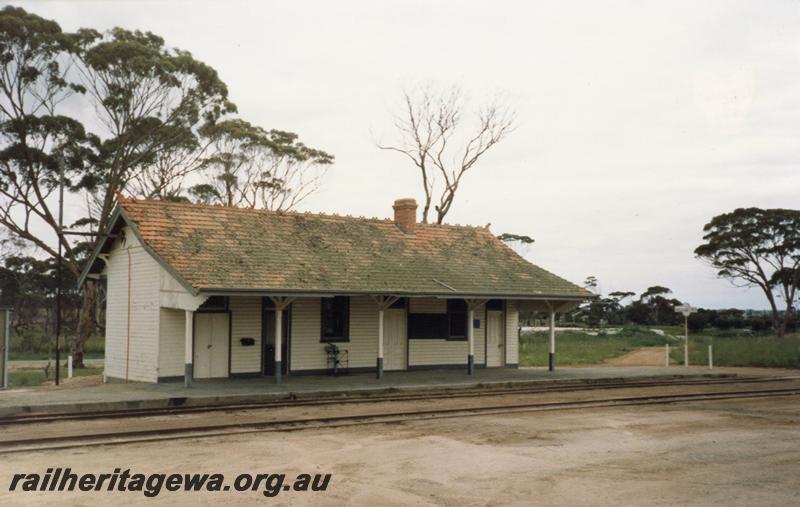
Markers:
point(117, 111)
point(148, 100)
point(38, 143)
point(248, 166)
point(753, 247)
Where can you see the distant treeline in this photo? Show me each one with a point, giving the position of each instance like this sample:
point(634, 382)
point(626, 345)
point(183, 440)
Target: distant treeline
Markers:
point(654, 307)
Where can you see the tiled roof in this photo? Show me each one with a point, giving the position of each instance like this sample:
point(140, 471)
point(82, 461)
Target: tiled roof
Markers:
point(214, 247)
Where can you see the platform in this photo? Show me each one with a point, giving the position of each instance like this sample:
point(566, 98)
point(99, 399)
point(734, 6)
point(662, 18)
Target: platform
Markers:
point(235, 391)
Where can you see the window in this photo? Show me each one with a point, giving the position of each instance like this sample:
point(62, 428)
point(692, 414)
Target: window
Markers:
point(451, 325)
point(335, 319)
point(457, 319)
point(432, 326)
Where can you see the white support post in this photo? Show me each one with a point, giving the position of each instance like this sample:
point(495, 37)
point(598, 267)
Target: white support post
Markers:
point(666, 355)
point(384, 303)
point(551, 358)
point(278, 342)
point(710, 358)
point(188, 347)
point(281, 303)
point(69, 366)
point(471, 340)
point(379, 366)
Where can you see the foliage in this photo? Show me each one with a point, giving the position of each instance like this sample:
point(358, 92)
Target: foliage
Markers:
point(155, 114)
point(37, 142)
point(253, 167)
point(511, 238)
point(756, 247)
point(28, 286)
point(651, 308)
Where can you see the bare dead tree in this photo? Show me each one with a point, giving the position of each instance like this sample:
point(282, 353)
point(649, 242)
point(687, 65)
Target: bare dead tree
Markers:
point(428, 129)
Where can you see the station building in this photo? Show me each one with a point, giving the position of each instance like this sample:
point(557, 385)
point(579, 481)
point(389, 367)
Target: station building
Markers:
point(198, 291)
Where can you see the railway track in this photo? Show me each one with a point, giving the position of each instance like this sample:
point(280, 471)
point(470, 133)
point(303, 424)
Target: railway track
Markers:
point(305, 423)
point(372, 398)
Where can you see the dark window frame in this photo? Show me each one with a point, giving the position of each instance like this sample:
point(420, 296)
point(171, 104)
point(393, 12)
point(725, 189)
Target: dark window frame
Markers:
point(440, 325)
point(345, 337)
point(427, 326)
point(457, 310)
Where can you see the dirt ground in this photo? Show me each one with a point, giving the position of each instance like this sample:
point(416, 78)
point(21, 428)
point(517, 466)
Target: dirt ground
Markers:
point(736, 452)
point(645, 356)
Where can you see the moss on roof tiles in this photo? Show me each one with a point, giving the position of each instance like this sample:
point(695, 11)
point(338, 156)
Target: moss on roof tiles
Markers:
point(231, 248)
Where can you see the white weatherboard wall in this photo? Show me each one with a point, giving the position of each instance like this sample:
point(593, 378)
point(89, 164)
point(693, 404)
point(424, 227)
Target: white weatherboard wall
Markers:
point(245, 323)
point(512, 333)
point(308, 353)
point(139, 354)
point(429, 352)
point(171, 342)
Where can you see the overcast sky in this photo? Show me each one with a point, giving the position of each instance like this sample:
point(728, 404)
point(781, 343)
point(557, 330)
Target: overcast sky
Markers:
point(637, 121)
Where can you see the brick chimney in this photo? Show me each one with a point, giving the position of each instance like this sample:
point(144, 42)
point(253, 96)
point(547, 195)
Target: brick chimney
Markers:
point(405, 214)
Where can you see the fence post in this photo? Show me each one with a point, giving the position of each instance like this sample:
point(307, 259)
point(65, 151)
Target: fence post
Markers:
point(710, 358)
point(666, 356)
point(686, 351)
point(69, 366)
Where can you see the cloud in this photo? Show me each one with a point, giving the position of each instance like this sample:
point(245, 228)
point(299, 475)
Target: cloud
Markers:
point(638, 121)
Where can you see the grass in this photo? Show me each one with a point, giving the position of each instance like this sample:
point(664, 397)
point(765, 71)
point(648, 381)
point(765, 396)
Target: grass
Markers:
point(731, 349)
point(35, 347)
point(31, 377)
point(575, 348)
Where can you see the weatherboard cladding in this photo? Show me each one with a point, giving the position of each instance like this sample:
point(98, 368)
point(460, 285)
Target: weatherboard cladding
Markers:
point(222, 248)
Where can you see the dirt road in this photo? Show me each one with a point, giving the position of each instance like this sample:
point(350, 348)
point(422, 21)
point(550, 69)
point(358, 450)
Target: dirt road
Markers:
point(742, 452)
point(645, 356)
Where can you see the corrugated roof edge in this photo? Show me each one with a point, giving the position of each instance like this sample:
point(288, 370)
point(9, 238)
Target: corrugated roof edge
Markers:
point(441, 295)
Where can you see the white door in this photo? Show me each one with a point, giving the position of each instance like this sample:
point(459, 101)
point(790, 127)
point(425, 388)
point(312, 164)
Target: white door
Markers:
point(211, 345)
point(494, 339)
point(394, 340)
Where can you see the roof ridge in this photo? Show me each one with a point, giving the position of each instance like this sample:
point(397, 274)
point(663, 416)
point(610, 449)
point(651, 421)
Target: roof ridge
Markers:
point(127, 201)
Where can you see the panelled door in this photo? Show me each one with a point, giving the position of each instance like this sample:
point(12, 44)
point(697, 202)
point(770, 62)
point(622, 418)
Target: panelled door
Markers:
point(495, 350)
point(211, 345)
point(394, 339)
